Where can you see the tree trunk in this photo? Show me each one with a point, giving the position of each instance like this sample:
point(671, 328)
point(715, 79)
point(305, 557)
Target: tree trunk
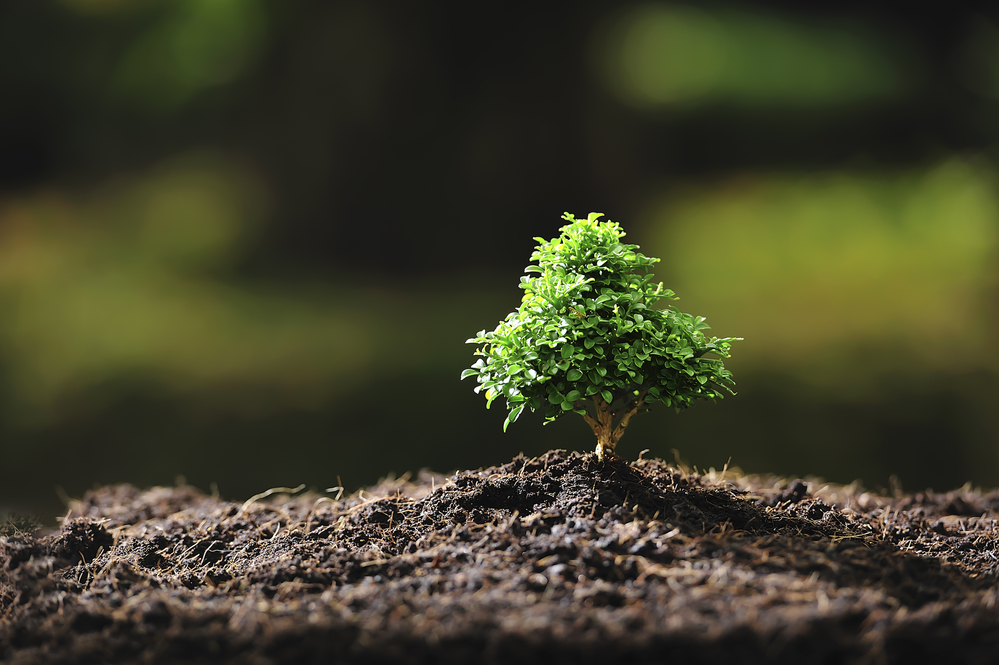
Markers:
point(603, 425)
point(605, 444)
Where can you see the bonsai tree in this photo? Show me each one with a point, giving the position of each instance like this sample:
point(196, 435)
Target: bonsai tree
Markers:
point(588, 339)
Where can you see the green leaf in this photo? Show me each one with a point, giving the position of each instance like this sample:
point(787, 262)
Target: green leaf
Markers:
point(468, 372)
point(572, 396)
point(512, 416)
point(574, 375)
point(608, 397)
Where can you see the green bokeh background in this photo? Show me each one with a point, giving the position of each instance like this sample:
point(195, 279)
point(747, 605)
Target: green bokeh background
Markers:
point(243, 241)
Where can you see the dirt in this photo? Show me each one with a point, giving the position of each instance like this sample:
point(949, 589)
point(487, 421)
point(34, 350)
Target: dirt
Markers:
point(555, 559)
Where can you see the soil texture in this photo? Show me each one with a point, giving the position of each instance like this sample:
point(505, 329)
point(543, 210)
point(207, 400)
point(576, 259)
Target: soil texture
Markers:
point(555, 559)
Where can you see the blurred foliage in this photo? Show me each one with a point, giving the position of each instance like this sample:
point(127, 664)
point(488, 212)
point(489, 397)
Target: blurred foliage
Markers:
point(130, 280)
point(189, 46)
point(850, 276)
point(243, 240)
point(661, 54)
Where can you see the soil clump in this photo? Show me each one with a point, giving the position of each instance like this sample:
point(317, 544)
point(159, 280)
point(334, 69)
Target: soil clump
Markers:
point(554, 559)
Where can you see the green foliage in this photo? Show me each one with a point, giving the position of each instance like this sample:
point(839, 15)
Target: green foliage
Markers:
point(588, 340)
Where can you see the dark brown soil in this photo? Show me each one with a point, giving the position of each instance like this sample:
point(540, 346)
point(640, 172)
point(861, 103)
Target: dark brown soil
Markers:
point(550, 560)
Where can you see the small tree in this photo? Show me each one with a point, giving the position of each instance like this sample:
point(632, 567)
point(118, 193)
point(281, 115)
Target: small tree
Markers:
point(586, 338)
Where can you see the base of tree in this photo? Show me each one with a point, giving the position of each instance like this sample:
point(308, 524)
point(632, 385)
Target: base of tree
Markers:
point(560, 558)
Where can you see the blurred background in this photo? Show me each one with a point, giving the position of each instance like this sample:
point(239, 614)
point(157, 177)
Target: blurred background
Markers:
point(243, 242)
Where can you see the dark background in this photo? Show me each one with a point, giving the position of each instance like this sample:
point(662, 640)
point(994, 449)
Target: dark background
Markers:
point(244, 241)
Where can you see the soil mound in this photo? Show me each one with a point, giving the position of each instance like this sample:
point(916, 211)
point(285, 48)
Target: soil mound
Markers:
point(553, 559)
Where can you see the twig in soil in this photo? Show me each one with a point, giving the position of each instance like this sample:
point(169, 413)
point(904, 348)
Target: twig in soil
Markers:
point(263, 495)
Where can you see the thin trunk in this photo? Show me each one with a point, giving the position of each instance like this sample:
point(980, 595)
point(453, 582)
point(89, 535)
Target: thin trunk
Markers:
point(603, 425)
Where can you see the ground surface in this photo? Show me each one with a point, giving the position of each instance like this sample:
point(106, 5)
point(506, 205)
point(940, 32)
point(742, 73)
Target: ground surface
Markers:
point(547, 560)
